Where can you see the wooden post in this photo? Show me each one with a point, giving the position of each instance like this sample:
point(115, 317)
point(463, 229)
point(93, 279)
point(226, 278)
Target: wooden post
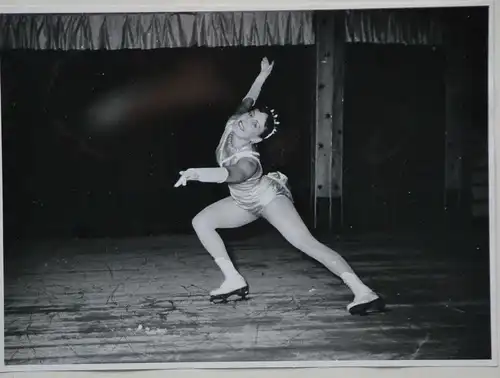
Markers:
point(328, 145)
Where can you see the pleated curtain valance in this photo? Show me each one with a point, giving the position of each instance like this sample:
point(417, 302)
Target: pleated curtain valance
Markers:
point(396, 26)
point(219, 29)
point(158, 30)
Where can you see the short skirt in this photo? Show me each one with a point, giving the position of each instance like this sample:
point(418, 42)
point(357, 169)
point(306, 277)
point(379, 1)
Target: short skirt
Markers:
point(254, 196)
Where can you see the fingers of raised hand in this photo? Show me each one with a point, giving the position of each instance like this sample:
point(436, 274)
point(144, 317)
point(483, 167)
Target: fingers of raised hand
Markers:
point(266, 66)
point(264, 63)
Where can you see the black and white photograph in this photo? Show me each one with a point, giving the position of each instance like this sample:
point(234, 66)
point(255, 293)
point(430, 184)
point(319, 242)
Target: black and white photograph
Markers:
point(252, 187)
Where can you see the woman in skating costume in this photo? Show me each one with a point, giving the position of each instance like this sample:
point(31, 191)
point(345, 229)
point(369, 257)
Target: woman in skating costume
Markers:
point(254, 195)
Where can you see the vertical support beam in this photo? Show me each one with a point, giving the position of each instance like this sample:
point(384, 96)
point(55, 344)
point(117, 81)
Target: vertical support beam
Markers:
point(328, 148)
point(338, 116)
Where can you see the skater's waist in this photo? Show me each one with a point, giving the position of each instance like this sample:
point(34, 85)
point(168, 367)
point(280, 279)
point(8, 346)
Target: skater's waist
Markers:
point(259, 183)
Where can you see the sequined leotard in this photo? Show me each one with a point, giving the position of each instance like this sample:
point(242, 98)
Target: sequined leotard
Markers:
point(257, 191)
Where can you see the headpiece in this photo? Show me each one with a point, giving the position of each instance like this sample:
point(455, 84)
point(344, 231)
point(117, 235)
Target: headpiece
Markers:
point(276, 122)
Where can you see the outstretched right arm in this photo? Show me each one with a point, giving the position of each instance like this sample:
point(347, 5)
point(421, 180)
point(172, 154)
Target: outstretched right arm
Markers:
point(237, 173)
point(254, 92)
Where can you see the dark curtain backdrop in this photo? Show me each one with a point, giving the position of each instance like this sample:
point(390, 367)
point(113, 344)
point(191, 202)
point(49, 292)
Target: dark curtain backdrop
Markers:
point(394, 119)
point(65, 176)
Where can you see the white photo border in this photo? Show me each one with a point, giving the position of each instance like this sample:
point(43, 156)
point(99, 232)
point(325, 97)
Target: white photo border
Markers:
point(484, 368)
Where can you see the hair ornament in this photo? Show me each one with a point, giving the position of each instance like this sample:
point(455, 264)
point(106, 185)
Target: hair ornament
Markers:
point(276, 122)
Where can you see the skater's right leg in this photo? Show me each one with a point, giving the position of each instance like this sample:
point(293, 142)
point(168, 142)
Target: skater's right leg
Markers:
point(282, 214)
point(222, 214)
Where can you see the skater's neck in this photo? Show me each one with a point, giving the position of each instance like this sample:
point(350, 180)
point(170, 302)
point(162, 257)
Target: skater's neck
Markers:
point(239, 143)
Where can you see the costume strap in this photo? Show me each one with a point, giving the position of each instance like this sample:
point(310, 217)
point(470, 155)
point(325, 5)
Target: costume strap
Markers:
point(239, 155)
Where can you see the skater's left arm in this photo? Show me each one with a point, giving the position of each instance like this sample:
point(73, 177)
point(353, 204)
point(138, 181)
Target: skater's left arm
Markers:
point(233, 174)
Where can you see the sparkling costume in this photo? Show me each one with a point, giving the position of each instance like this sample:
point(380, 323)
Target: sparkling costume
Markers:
point(258, 191)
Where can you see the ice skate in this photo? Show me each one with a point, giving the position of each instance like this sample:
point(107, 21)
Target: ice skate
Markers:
point(368, 302)
point(229, 288)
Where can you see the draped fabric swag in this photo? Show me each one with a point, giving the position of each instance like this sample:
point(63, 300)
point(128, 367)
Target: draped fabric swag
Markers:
point(409, 27)
point(222, 29)
point(159, 30)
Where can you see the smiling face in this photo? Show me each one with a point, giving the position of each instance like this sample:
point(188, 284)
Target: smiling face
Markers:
point(250, 126)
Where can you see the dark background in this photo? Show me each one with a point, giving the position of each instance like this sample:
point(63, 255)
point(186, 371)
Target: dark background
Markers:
point(395, 125)
point(62, 178)
point(394, 136)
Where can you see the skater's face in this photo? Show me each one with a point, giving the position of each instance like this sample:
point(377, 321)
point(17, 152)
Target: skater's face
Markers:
point(251, 125)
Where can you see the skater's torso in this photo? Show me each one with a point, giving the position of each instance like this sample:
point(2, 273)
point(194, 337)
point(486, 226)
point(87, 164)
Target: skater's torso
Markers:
point(228, 155)
point(259, 189)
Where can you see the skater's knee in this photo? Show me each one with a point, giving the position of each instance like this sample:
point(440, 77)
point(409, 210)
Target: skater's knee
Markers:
point(304, 242)
point(201, 222)
point(197, 222)
point(309, 245)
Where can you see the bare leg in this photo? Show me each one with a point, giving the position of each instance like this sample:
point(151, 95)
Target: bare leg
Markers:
point(222, 214)
point(282, 214)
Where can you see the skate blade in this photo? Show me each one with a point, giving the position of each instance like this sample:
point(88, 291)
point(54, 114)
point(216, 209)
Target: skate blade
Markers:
point(377, 305)
point(241, 294)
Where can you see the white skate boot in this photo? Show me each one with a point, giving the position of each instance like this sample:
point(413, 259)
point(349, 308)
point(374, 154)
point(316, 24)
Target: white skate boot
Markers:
point(236, 286)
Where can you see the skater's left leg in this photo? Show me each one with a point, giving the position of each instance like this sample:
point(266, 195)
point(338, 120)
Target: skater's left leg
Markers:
point(221, 214)
point(281, 213)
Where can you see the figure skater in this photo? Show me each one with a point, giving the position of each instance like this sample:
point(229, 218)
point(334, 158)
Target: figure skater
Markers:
point(254, 195)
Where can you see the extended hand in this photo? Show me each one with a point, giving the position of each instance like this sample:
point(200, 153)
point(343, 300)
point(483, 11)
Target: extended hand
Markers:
point(186, 176)
point(265, 67)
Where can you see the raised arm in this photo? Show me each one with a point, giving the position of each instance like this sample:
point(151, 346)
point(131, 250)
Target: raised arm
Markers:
point(254, 92)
